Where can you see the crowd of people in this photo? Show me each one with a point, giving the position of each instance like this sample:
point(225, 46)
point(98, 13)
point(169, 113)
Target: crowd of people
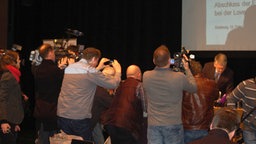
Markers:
point(87, 97)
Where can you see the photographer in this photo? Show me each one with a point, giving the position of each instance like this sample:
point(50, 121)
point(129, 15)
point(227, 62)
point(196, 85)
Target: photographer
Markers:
point(78, 89)
point(164, 90)
point(48, 78)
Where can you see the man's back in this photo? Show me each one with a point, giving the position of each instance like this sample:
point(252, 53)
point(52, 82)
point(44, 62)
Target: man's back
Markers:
point(124, 119)
point(126, 108)
point(197, 108)
point(164, 89)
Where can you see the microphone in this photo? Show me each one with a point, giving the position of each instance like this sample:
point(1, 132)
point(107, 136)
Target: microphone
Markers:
point(76, 33)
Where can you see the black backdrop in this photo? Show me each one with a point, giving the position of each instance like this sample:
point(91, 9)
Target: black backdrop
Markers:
point(126, 30)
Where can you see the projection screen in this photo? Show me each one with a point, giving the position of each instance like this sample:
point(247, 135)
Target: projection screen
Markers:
point(219, 25)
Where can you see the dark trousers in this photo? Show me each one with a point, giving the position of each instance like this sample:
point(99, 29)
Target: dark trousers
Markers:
point(120, 135)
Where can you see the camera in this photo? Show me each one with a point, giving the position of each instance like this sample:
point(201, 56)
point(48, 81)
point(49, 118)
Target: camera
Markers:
point(177, 63)
point(108, 62)
point(72, 51)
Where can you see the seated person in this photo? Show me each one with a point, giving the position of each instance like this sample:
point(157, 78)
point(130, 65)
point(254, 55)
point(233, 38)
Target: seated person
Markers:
point(223, 127)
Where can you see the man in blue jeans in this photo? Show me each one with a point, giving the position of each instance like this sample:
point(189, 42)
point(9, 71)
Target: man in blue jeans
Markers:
point(164, 90)
point(78, 90)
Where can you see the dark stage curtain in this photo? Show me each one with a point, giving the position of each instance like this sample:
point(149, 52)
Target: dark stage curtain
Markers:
point(126, 30)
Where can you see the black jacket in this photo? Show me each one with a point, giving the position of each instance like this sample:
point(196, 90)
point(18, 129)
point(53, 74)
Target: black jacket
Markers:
point(48, 79)
point(226, 80)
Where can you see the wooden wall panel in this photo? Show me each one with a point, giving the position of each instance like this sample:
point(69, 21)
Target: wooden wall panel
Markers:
point(3, 23)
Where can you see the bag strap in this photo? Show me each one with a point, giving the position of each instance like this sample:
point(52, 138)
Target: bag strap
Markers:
point(248, 114)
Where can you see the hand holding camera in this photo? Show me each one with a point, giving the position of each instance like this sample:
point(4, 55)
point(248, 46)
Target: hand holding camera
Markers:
point(102, 62)
point(117, 67)
point(185, 61)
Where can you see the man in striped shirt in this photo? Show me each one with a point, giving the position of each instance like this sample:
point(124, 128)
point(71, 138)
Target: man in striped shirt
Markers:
point(246, 93)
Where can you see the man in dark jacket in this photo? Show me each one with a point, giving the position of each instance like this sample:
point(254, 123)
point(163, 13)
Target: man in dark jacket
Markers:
point(197, 108)
point(223, 75)
point(223, 127)
point(48, 78)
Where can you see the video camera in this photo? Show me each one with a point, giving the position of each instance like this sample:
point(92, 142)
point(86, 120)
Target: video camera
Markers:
point(176, 62)
point(66, 47)
point(72, 51)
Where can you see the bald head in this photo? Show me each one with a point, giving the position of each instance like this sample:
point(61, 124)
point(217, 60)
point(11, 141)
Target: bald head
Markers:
point(133, 71)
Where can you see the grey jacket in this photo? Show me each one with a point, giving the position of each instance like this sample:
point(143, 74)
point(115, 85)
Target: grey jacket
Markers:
point(11, 109)
point(78, 90)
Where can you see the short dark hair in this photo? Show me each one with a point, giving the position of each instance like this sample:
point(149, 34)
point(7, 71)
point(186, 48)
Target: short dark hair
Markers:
point(226, 118)
point(44, 50)
point(91, 52)
point(161, 56)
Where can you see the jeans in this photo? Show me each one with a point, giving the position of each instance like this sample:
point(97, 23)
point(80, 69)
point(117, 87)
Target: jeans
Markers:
point(171, 134)
point(190, 135)
point(249, 137)
point(97, 133)
point(76, 127)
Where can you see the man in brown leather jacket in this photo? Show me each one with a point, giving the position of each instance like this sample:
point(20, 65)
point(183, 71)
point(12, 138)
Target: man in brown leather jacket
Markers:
point(197, 108)
point(124, 119)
